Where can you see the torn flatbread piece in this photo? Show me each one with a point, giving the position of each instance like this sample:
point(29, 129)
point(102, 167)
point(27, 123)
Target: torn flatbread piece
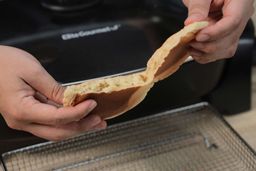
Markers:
point(116, 95)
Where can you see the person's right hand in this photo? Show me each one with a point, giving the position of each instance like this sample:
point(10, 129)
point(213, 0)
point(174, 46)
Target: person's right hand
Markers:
point(227, 20)
point(30, 100)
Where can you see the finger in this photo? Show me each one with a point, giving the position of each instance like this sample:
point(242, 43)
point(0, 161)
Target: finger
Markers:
point(202, 59)
point(198, 56)
point(101, 125)
point(197, 10)
point(85, 124)
point(205, 53)
point(42, 81)
point(43, 99)
point(217, 31)
point(207, 47)
point(195, 53)
point(41, 113)
point(66, 131)
point(229, 23)
point(216, 5)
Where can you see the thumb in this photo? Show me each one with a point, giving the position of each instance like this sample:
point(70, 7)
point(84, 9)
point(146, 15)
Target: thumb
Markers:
point(198, 10)
point(45, 84)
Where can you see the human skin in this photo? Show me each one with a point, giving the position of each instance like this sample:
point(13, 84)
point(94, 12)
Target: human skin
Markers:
point(227, 19)
point(31, 100)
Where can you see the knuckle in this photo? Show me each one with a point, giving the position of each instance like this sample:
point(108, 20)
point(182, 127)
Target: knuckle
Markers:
point(231, 52)
point(18, 116)
point(56, 91)
point(13, 124)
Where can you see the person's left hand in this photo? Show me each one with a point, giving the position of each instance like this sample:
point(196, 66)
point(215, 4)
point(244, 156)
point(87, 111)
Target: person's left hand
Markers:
point(31, 100)
point(227, 19)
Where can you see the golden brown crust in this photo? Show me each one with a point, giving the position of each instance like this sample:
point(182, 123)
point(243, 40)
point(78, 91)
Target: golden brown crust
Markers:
point(117, 95)
point(171, 55)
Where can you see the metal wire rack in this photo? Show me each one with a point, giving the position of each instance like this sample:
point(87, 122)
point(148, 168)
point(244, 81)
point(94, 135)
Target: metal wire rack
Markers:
point(190, 138)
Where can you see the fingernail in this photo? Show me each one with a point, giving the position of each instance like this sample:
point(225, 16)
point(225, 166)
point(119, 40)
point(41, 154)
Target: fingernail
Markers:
point(202, 37)
point(193, 18)
point(196, 17)
point(92, 105)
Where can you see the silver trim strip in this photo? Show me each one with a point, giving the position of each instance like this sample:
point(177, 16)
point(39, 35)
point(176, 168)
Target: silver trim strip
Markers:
point(189, 59)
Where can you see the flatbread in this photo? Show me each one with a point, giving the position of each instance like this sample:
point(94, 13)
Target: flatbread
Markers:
point(116, 95)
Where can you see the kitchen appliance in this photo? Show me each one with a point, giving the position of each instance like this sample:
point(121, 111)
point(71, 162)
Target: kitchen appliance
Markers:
point(116, 37)
point(69, 5)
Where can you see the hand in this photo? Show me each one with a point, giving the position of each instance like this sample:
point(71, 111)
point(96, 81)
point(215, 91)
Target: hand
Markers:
point(227, 19)
point(30, 100)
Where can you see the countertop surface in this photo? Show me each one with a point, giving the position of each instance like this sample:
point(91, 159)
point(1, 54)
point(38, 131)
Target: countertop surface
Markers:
point(245, 123)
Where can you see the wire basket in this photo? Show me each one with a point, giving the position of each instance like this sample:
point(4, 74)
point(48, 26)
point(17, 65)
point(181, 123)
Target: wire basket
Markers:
point(190, 138)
